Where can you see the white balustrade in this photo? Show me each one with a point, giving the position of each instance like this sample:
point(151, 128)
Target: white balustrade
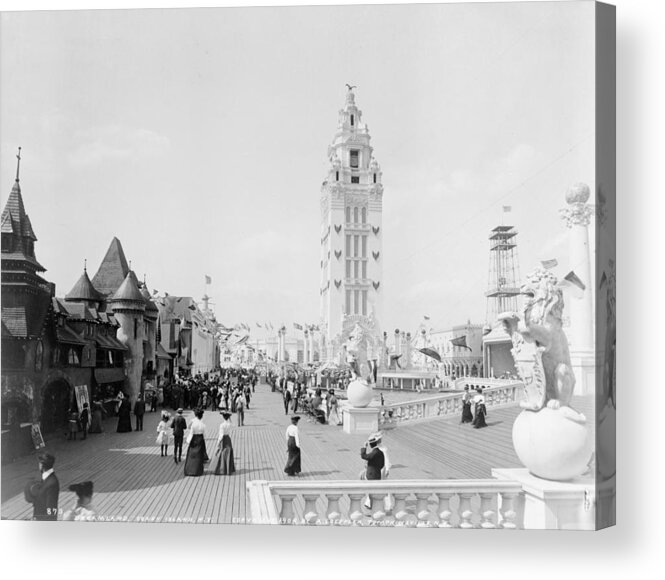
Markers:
point(503, 395)
point(465, 504)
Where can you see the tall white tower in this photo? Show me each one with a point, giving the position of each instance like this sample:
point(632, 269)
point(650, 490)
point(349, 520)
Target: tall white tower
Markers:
point(351, 254)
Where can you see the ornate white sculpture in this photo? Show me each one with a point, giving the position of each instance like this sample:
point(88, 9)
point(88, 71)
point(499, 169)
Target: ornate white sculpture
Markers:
point(550, 437)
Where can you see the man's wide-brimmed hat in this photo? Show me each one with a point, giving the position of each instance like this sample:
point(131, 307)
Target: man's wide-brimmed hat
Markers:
point(179, 411)
point(83, 489)
point(226, 414)
point(375, 437)
point(295, 418)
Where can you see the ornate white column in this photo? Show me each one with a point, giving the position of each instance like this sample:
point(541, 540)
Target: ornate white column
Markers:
point(577, 217)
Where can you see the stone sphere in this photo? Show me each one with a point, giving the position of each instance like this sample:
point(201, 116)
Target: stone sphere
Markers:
point(578, 193)
point(551, 445)
point(359, 394)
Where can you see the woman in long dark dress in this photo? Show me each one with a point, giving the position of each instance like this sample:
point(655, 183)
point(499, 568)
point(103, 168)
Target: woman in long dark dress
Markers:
point(125, 416)
point(222, 462)
point(98, 413)
point(467, 416)
point(196, 452)
point(480, 410)
point(293, 447)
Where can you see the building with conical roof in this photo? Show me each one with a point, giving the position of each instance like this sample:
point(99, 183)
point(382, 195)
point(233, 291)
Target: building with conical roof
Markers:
point(112, 271)
point(28, 332)
point(84, 291)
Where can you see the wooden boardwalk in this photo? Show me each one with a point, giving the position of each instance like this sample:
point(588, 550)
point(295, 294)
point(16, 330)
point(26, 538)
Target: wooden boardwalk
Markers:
point(134, 483)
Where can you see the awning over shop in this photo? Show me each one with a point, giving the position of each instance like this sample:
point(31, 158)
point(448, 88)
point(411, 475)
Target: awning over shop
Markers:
point(109, 375)
point(109, 343)
point(67, 336)
point(161, 352)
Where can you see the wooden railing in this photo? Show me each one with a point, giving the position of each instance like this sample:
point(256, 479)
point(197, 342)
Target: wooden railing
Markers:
point(477, 503)
point(509, 393)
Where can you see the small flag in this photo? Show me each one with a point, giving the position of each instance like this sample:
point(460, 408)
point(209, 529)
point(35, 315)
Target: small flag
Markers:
point(426, 317)
point(507, 208)
point(549, 264)
point(572, 282)
point(574, 279)
point(208, 279)
point(460, 341)
point(258, 325)
point(297, 326)
point(155, 292)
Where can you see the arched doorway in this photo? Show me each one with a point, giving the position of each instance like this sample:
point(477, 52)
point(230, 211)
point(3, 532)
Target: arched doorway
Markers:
point(57, 399)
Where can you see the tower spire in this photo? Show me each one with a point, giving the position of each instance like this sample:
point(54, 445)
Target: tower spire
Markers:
point(85, 264)
point(18, 164)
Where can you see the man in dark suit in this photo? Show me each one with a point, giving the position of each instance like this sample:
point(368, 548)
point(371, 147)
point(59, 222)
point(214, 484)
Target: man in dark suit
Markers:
point(139, 411)
point(179, 427)
point(43, 494)
point(374, 457)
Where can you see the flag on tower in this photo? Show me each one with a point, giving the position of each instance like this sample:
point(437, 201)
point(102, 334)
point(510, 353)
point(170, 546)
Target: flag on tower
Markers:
point(549, 264)
point(257, 324)
point(426, 317)
point(297, 326)
point(507, 208)
point(208, 279)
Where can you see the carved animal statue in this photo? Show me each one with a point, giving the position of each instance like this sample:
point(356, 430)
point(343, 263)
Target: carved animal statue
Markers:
point(540, 347)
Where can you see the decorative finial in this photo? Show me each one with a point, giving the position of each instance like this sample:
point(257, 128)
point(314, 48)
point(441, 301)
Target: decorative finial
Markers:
point(130, 264)
point(85, 264)
point(351, 87)
point(18, 163)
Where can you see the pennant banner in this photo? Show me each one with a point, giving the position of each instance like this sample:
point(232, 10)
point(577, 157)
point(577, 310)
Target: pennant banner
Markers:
point(548, 264)
point(208, 279)
point(461, 342)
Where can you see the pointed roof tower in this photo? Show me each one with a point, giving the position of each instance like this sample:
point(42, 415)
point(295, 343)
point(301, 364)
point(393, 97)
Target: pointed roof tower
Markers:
point(150, 306)
point(83, 290)
point(26, 296)
point(112, 271)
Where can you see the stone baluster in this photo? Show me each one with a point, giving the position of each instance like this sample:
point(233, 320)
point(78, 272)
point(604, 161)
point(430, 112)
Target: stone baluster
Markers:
point(355, 509)
point(377, 506)
point(399, 511)
point(444, 511)
point(286, 513)
point(487, 514)
point(422, 509)
point(465, 510)
point(311, 515)
point(334, 513)
point(507, 510)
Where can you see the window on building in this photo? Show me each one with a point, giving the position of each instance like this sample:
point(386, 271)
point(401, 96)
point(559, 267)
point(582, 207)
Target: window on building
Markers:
point(348, 215)
point(348, 245)
point(347, 309)
point(355, 215)
point(348, 268)
point(7, 243)
point(364, 246)
point(355, 246)
point(136, 328)
point(337, 176)
point(352, 120)
point(364, 302)
point(354, 155)
point(73, 358)
point(356, 301)
point(355, 269)
point(363, 215)
point(374, 177)
point(364, 270)
point(355, 179)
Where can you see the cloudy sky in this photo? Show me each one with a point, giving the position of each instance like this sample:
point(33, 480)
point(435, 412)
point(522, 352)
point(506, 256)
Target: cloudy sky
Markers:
point(198, 137)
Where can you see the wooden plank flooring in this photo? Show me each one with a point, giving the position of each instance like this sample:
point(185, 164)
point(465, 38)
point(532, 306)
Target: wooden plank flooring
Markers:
point(133, 483)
